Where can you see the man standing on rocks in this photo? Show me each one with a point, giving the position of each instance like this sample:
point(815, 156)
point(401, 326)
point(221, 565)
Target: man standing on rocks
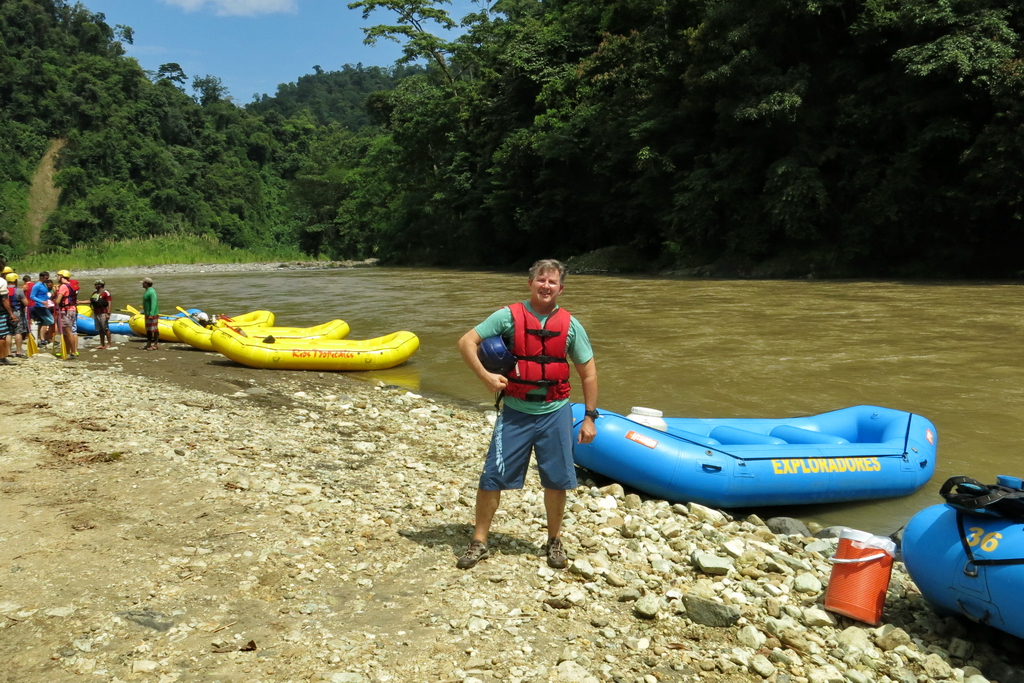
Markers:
point(100, 302)
point(6, 318)
point(536, 415)
point(151, 310)
point(42, 308)
point(66, 302)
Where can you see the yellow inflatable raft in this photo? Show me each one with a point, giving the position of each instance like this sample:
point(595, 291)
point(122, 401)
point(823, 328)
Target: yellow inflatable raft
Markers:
point(165, 325)
point(316, 354)
point(194, 334)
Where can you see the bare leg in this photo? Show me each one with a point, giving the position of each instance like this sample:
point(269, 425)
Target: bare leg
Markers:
point(486, 505)
point(554, 505)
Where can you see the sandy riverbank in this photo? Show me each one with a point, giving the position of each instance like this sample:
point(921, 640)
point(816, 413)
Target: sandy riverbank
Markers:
point(169, 518)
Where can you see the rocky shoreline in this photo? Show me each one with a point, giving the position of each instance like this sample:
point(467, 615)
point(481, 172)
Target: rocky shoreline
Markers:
point(259, 266)
point(304, 527)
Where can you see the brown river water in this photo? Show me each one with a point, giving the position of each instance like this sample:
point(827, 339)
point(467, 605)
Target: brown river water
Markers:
point(700, 348)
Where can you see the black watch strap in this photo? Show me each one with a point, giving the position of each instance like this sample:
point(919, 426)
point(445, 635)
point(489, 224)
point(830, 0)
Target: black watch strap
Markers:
point(592, 414)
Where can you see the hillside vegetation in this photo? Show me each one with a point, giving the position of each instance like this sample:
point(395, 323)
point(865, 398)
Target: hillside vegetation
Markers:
point(836, 137)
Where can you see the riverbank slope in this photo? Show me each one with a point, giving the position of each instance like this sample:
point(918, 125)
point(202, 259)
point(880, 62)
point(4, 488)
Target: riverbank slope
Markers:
point(216, 523)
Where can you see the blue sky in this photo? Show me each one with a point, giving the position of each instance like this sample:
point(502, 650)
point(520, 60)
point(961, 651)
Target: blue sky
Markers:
point(253, 45)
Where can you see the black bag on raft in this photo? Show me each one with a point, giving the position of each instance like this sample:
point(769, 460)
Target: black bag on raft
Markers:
point(994, 500)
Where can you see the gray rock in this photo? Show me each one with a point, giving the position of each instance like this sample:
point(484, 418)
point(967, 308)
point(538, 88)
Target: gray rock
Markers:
point(709, 612)
point(889, 637)
point(760, 665)
point(706, 514)
point(826, 547)
point(855, 676)
point(647, 607)
point(792, 562)
point(788, 526)
point(571, 672)
point(825, 674)
point(632, 502)
point(583, 568)
point(961, 649)
point(830, 532)
point(346, 677)
point(818, 617)
point(149, 619)
point(663, 567)
point(712, 564)
point(936, 667)
point(477, 625)
point(854, 639)
point(749, 636)
point(614, 490)
point(614, 580)
point(806, 583)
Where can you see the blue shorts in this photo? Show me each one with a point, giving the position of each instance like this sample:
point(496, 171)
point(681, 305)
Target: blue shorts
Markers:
point(42, 315)
point(515, 435)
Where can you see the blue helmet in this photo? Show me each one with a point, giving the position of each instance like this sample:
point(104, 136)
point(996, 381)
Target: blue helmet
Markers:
point(495, 356)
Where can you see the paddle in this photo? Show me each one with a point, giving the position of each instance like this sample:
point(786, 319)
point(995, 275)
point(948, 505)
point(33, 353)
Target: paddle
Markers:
point(60, 333)
point(131, 309)
point(30, 346)
point(235, 329)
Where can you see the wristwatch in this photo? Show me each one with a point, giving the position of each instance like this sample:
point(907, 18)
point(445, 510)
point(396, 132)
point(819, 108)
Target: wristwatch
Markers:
point(592, 414)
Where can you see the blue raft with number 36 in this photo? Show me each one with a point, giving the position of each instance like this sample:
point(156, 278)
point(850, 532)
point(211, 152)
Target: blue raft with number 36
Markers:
point(856, 453)
point(971, 561)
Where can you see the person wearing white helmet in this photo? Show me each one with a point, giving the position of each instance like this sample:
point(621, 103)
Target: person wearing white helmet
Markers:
point(100, 303)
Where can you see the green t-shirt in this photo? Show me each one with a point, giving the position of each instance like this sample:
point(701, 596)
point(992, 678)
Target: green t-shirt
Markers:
point(577, 347)
point(149, 305)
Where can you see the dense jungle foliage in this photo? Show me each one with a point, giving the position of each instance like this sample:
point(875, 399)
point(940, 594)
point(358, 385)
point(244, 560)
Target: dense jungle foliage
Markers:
point(869, 137)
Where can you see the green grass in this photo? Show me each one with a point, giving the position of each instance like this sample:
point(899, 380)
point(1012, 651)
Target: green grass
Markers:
point(151, 251)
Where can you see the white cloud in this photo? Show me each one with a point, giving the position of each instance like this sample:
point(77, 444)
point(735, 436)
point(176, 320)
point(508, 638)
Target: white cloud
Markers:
point(237, 8)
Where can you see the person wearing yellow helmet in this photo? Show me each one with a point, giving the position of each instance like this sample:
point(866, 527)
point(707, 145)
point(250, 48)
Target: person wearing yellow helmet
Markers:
point(6, 322)
point(19, 318)
point(66, 301)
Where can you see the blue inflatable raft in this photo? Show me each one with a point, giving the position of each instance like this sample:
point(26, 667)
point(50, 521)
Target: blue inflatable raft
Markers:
point(119, 325)
point(969, 563)
point(856, 453)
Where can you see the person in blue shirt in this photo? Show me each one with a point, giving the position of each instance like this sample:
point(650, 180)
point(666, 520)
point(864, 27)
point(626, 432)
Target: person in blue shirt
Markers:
point(42, 308)
point(536, 416)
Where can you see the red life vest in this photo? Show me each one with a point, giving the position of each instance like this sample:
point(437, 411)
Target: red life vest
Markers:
point(70, 300)
point(541, 354)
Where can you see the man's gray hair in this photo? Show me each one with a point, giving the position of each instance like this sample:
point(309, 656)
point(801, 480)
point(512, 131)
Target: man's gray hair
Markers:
point(546, 264)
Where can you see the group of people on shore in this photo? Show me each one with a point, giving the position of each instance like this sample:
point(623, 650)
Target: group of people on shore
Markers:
point(53, 307)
